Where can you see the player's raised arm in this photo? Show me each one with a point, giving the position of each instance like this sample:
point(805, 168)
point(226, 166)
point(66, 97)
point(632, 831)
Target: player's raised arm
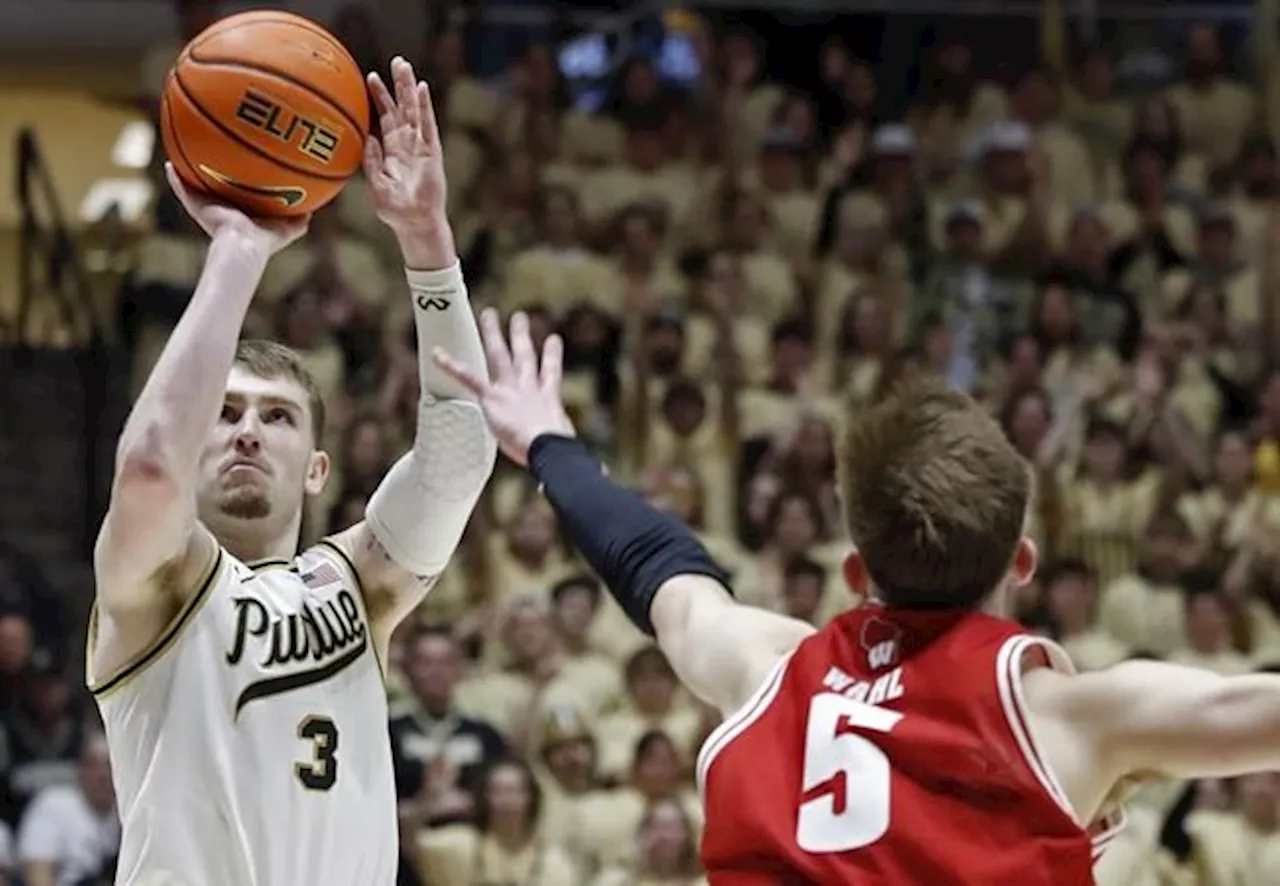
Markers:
point(653, 565)
point(151, 527)
point(417, 515)
point(1153, 717)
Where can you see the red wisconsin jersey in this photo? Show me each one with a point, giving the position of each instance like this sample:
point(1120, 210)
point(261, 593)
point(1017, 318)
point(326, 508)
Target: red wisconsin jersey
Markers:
point(892, 748)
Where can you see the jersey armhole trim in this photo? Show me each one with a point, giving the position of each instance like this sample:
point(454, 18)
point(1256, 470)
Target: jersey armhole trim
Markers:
point(140, 662)
point(1013, 701)
point(345, 561)
point(737, 723)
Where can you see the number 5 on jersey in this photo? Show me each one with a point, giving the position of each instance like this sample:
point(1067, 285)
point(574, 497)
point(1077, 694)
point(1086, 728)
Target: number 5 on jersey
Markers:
point(845, 804)
point(322, 771)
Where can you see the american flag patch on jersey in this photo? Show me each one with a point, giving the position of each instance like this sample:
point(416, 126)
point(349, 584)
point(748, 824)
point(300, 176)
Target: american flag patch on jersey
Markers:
point(323, 575)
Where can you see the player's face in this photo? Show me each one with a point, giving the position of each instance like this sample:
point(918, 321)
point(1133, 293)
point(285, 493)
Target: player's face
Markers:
point(260, 462)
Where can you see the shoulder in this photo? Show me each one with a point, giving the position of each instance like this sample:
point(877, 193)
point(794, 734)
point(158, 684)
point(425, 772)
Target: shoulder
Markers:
point(326, 561)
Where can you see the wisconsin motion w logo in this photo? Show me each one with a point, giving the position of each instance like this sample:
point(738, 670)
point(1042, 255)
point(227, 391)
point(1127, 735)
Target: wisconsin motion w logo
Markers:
point(880, 641)
point(882, 655)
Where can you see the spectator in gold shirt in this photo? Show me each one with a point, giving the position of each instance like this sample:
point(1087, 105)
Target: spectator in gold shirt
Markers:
point(657, 773)
point(504, 845)
point(666, 851)
point(654, 701)
point(1207, 643)
point(1071, 603)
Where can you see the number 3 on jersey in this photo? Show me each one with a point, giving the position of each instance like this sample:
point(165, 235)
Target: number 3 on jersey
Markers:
point(846, 777)
point(322, 771)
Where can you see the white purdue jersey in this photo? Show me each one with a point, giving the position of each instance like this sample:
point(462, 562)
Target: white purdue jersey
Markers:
point(249, 745)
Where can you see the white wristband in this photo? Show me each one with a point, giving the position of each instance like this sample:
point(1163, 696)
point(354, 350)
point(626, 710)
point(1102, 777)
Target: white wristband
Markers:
point(443, 318)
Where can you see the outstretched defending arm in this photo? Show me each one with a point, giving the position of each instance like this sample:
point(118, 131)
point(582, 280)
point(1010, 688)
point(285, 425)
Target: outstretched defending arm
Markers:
point(417, 515)
point(150, 531)
point(1143, 717)
point(663, 577)
point(653, 565)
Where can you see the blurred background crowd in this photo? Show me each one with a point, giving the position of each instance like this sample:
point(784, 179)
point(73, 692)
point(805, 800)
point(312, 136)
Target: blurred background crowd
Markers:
point(747, 229)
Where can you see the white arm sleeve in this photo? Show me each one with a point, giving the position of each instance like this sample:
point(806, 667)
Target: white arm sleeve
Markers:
point(420, 509)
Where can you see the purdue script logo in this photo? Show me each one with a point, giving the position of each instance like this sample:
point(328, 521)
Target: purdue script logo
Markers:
point(273, 117)
point(289, 196)
point(330, 635)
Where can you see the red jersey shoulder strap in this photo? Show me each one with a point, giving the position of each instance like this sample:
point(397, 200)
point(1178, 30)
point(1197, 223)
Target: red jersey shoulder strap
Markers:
point(1009, 670)
point(736, 723)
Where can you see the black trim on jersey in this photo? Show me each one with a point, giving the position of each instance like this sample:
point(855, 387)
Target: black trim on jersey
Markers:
point(345, 558)
point(299, 679)
point(166, 638)
point(258, 565)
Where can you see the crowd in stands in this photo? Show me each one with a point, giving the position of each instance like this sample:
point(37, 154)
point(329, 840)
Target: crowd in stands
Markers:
point(737, 270)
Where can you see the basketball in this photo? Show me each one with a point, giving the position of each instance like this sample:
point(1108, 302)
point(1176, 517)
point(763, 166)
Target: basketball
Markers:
point(266, 111)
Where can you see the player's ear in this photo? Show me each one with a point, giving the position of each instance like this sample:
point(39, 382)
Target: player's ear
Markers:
point(856, 575)
point(318, 467)
point(1026, 556)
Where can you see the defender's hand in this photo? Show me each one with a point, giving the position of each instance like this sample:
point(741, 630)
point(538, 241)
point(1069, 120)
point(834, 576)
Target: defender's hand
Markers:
point(405, 168)
point(521, 400)
point(215, 219)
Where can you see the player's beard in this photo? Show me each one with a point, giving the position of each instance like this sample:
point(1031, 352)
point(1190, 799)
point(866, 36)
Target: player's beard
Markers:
point(245, 501)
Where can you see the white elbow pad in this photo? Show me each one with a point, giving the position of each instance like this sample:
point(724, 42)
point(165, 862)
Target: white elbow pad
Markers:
point(420, 509)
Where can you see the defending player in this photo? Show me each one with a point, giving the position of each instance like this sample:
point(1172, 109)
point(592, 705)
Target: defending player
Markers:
point(241, 685)
point(920, 738)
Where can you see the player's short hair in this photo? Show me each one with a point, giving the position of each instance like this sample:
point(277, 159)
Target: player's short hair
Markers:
point(268, 359)
point(934, 495)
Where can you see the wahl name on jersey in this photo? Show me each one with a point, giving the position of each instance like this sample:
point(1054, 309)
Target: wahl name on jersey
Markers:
point(296, 649)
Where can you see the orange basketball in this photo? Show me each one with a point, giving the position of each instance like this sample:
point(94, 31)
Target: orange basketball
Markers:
point(266, 111)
